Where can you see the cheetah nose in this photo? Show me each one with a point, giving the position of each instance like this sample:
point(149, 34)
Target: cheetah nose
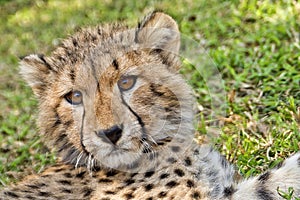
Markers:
point(112, 134)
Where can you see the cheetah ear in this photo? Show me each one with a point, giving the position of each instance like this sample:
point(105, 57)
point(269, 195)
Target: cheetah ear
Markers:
point(36, 71)
point(159, 31)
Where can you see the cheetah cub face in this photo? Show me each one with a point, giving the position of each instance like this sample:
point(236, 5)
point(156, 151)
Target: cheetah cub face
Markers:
point(111, 96)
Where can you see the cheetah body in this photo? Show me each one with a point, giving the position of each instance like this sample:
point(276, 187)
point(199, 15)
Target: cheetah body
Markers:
point(120, 116)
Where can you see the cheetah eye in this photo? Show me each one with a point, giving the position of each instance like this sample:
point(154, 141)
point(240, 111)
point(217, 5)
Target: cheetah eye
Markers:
point(127, 82)
point(74, 97)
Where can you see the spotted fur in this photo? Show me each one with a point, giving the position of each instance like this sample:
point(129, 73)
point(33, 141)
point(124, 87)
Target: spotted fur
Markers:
point(120, 118)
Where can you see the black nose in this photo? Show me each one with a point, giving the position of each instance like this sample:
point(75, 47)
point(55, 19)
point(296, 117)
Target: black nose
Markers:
point(113, 134)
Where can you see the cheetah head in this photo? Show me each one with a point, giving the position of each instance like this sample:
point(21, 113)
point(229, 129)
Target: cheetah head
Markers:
point(111, 96)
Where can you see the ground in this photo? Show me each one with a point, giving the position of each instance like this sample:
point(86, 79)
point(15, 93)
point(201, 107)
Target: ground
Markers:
point(254, 45)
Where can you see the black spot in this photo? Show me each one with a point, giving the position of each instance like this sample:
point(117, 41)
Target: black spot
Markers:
point(228, 191)
point(11, 194)
point(179, 172)
point(44, 194)
point(196, 195)
point(187, 161)
point(149, 198)
point(104, 180)
point(80, 175)
point(175, 148)
point(72, 75)
point(87, 191)
point(149, 174)
point(162, 194)
point(115, 64)
point(30, 197)
point(109, 192)
point(133, 175)
point(171, 184)
point(68, 175)
point(128, 195)
point(27, 191)
point(111, 173)
point(64, 190)
point(64, 182)
point(264, 177)
point(148, 187)
point(75, 43)
point(164, 175)
point(190, 183)
point(129, 181)
point(196, 152)
point(36, 186)
point(171, 160)
point(265, 194)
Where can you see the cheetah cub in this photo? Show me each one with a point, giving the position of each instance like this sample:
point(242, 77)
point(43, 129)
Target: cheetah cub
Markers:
point(120, 117)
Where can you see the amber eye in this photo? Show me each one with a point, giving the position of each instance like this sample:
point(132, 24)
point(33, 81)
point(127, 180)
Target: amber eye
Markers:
point(74, 97)
point(126, 83)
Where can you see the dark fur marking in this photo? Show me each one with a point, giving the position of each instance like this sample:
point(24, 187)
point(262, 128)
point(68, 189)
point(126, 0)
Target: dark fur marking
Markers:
point(187, 161)
point(171, 160)
point(196, 195)
point(115, 64)
point(164, 175)
point(42, 57)
point(149, 198)
point(64, 190)
point(179, 172)
point(171, 184)
point(264, 177)
point(228, 191)
point(68, 175)
point(64, 146)
point(109, 192)
point(64, 182)
point(149, 174)
point(111, 173)
point(44, 194)
point(149, 187)
point(129, 195)
point(190, 183)
point(57, 120)
point(129, 181)
point(87, 191)
point(104, 180)
point(175, 149)
point(36, 186)
point(72, 75)
point(68, 123)
point(162, 194)
point(264, 193)
point(11, 194)
point(80, 175)
point(61, 137)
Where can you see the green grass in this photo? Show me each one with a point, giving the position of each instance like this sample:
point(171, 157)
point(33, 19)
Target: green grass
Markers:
point(254, 44)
